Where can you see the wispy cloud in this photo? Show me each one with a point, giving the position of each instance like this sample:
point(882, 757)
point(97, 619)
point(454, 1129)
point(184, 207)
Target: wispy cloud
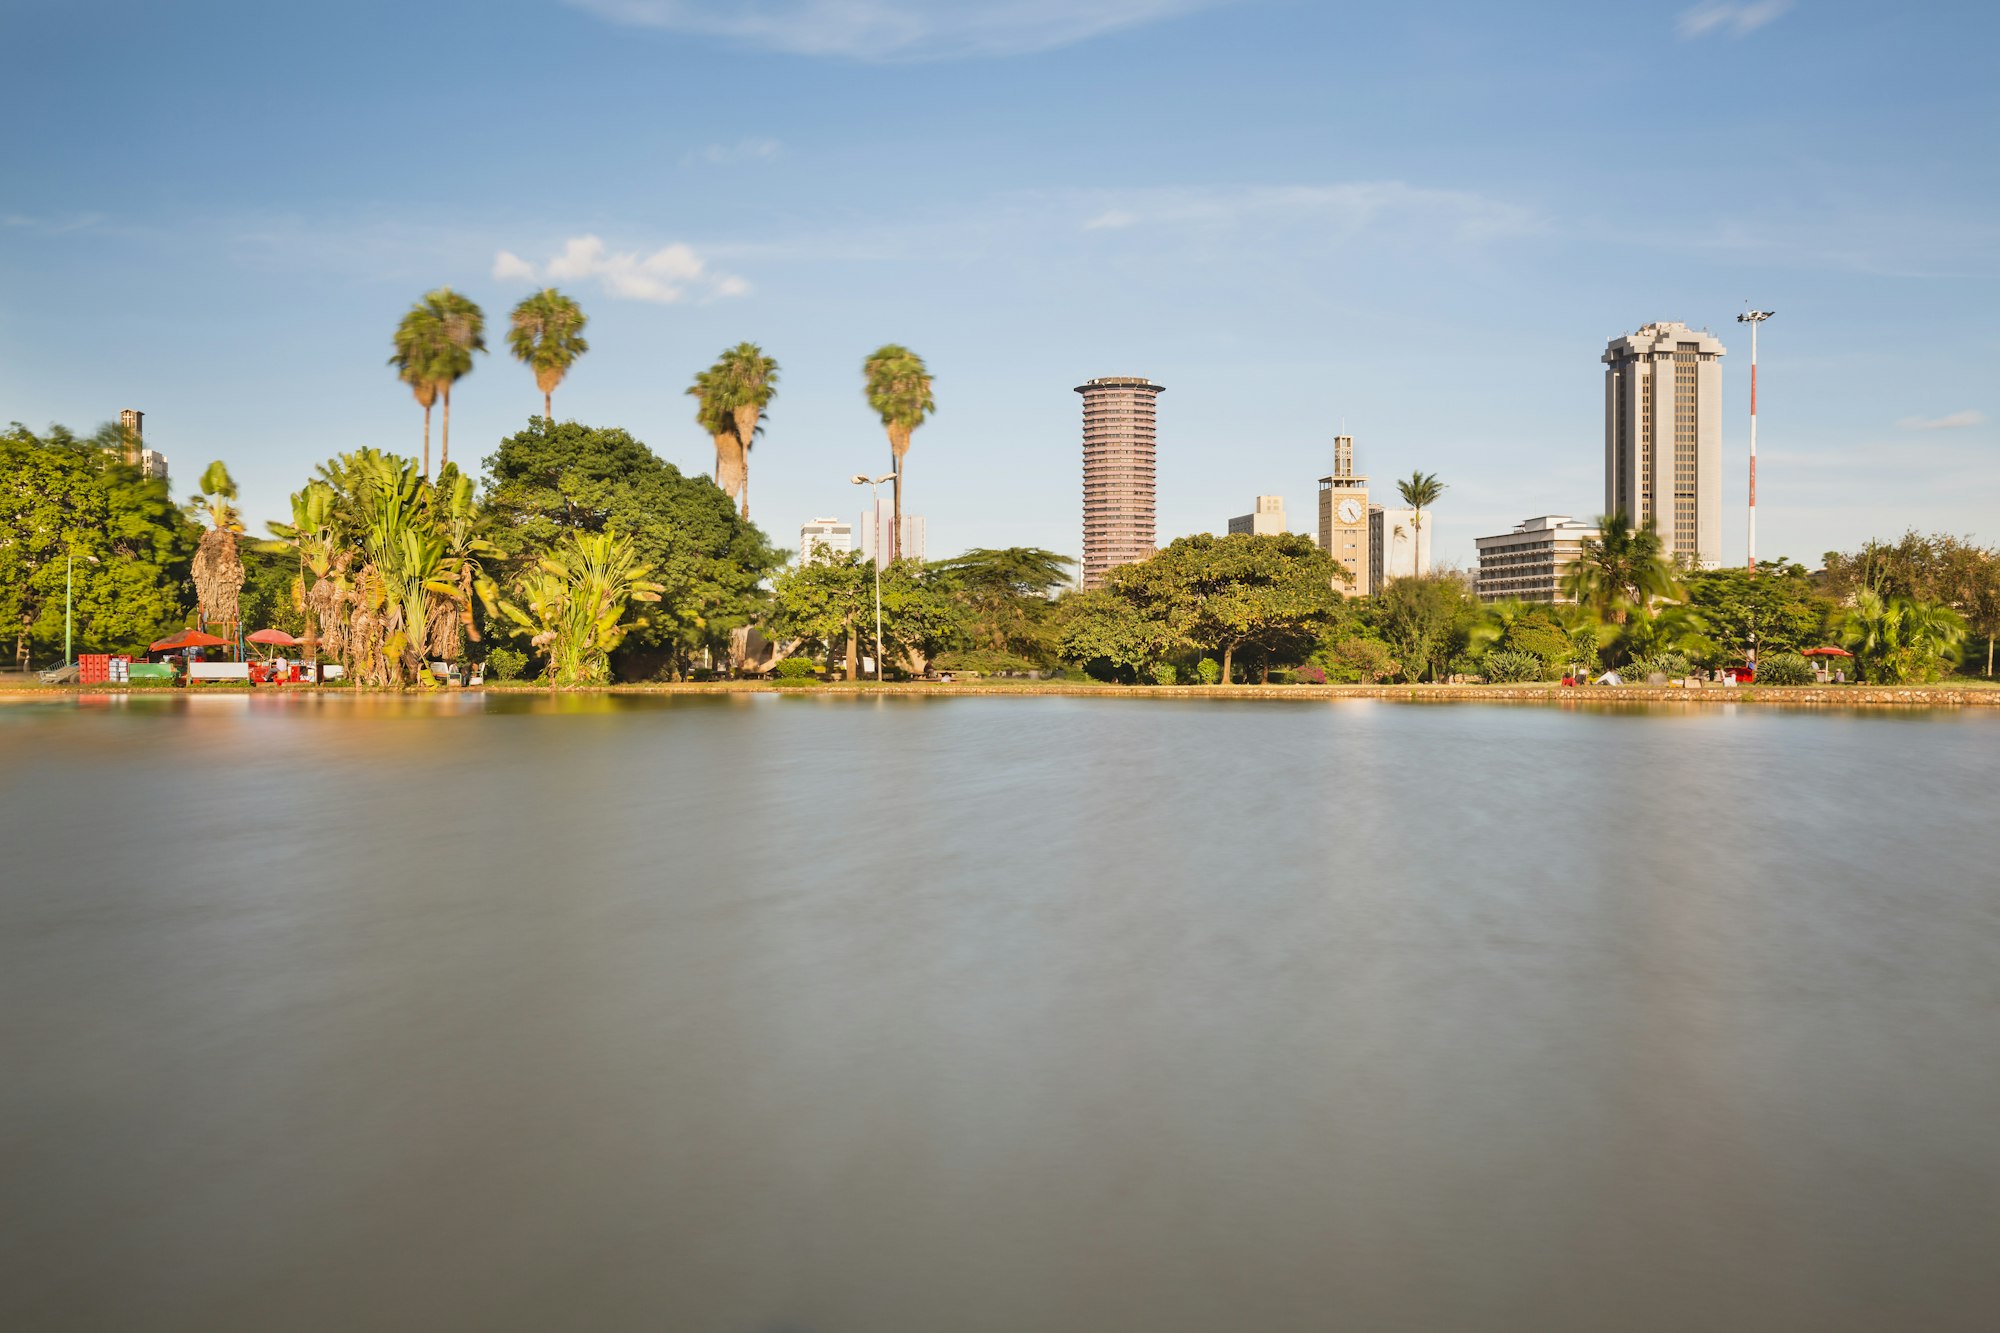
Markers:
point(1954, 421)
point(896, 30)
point(670, 274)
point(54, 226)
point(723, 154)
point(1333, 211)
point(1738, 18)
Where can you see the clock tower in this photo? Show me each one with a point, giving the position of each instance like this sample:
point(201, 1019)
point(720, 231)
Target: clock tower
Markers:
point(1343, 516)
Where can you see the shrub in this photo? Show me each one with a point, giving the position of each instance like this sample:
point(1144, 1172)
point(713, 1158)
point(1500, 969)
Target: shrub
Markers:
point(1364, 661)
point(1784, 669)
point(1503, 667)
point(795, 668)
point(1669, 664)
point(1165, 674)
point(1538, 636)
point(506, 663)
point(1209, 672)
point(1309, 675)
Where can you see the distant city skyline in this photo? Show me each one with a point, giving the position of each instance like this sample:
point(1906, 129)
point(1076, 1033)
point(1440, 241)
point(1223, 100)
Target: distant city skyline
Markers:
point(1427, 253)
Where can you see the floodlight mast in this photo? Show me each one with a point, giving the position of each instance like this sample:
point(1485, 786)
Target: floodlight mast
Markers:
point(1753, 318)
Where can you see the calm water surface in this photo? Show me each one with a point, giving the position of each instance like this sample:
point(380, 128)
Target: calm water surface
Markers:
point(794, 1015)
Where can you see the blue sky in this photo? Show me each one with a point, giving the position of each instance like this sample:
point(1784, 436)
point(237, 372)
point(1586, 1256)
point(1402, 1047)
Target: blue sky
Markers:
point(1422, 221)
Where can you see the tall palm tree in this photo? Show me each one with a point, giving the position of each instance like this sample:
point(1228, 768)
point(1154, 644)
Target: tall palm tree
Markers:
point(1420, 492)
point(217, 570)
point(715, 412)
point(546, 335)
point(752, 381)
point(1619, 569)
point(463, 325)
point(898, 385)
point(420, 347)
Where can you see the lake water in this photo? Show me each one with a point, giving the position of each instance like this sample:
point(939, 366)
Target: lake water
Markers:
point(811, 1015)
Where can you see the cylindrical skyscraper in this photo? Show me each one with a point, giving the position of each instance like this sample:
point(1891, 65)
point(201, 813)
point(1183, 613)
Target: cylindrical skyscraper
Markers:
point(1119, 444)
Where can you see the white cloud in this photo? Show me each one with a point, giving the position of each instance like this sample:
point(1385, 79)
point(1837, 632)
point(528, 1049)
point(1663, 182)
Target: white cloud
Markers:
point(669, 274)
point(722, 154)
point(510, 267)
point(896, 30)
point(1738, 18)
point(1955, 421)
point(1111, 220)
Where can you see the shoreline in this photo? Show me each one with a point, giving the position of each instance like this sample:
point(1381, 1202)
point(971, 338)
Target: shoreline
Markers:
point(1794, 696)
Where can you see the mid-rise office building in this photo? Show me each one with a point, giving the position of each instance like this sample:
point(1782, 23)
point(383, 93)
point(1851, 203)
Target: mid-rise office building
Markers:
point(824, 538)
point(1120, 448)
point(1527, 564)
point(1398, 545)
point(876, 527)
point(1663, 437)
point(1266, 520)
point(1343, 516)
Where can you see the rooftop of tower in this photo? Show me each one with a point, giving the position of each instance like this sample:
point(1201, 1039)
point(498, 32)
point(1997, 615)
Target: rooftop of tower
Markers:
point(1120, 382)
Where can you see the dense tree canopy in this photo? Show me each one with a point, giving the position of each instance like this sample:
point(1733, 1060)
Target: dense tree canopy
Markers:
point(553, 479)
point(1271, 593)
point(59, 493)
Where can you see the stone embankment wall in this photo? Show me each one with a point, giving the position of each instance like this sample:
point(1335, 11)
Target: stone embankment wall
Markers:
point(1806, 696)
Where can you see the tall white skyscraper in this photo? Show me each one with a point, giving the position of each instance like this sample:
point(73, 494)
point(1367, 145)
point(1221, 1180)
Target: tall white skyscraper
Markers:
point(1663, 437)
point(875, 528)
point(823, 537)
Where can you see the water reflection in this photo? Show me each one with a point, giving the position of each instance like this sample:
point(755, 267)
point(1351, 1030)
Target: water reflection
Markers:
point(759, 1012)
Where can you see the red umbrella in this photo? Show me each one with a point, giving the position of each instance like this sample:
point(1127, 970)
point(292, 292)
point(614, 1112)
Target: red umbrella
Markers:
point(187, 638)
point(1826, 652)
point(277, 638)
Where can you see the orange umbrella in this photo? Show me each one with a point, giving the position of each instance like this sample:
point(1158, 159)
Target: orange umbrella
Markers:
point(187, 638)
point(277, 638)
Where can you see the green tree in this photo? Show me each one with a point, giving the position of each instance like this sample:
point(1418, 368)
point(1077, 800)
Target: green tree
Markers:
point(573, 605)
point(1899, 640)
point(1274, 594)
point(555, 478)
point(1425, 622)
point(1005, 596)
point(463, 325)
point(1620, 569)
point(218, 566)
point(1778, 611)
point(545, 334)
point(922, 614)
point(898, 387)
point(420, 352)
point(820, 605)
point(750, 381)
point(1939, 568)
point(715, 413)
point(1420, 490)
point(62, 493)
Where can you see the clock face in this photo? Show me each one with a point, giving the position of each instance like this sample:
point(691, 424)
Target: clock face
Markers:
point(1349, 511)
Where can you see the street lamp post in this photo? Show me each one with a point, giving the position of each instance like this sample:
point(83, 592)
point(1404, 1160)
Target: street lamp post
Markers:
point(1753, 318)
point(874, 557)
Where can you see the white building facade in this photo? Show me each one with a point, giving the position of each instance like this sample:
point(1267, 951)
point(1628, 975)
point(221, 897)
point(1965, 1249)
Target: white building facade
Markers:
point(1663, 437)
point(1527, 564)
point(875, 529)
point(1397, 546)
point(824, 538)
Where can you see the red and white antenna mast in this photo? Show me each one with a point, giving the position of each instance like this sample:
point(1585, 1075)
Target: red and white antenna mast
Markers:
point(1753, 318)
